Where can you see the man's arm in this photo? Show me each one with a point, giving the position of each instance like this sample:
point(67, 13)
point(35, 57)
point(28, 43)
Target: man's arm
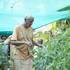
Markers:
point(18, 43)
point(37, 44)
point(7, 41)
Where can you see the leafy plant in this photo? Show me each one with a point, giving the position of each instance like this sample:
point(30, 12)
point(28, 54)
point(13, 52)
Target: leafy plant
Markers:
point(56, 54)
point(65, 8)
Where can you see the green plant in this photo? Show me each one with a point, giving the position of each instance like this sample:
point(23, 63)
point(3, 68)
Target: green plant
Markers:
point(56, 56)
point(65, 9)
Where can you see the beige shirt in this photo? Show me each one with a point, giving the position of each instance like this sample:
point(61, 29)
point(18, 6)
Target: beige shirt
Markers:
point(21, 34)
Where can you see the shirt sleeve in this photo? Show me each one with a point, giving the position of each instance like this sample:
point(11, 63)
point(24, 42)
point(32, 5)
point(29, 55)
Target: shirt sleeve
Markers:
point(15, 34)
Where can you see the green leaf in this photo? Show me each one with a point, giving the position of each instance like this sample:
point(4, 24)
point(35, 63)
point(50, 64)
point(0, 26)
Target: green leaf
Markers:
point(67, 8)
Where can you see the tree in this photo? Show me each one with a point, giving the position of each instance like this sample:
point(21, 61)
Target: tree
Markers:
point(67, 8)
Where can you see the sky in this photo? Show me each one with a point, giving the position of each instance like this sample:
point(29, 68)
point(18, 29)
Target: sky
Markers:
point(12, 12)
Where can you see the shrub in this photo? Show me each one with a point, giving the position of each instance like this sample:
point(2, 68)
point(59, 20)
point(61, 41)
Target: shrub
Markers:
point(56, 56)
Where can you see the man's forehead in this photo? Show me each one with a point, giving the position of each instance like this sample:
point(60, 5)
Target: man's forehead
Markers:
point(29, 18)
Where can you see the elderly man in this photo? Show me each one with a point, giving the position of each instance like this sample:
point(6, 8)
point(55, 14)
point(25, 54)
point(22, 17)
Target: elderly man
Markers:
point(20, 52)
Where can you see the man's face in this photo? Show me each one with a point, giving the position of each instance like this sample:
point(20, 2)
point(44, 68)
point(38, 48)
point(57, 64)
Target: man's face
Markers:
point(28, 23)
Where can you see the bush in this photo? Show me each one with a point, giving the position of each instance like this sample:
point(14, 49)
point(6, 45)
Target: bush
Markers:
point(56, 56)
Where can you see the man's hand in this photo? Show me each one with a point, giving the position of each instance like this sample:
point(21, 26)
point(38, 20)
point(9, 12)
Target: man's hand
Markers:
point(37, 44)
point(40, 45)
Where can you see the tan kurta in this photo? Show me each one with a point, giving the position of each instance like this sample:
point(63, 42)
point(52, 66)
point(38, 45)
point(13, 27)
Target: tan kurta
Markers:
point(21, 34)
